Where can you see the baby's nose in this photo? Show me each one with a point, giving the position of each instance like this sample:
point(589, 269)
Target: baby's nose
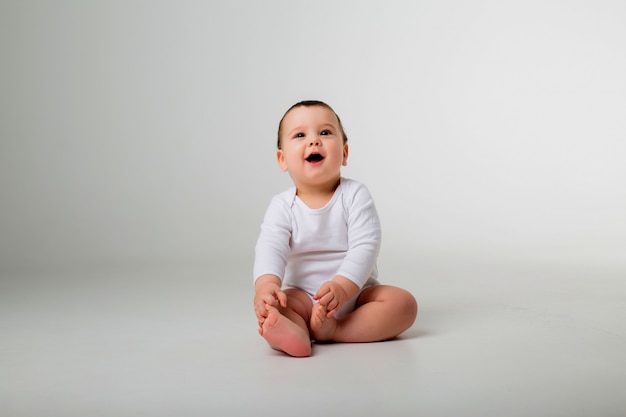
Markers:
point(316, 142)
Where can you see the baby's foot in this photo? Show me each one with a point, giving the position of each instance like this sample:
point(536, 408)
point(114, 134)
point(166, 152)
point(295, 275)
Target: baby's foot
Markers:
point(284, 335)
point(322, 327)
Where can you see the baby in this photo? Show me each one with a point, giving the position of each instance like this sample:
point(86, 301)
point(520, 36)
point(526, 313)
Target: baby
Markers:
point(315, 264)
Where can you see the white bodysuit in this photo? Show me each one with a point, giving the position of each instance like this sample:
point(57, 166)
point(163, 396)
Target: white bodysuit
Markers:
point(306, 247)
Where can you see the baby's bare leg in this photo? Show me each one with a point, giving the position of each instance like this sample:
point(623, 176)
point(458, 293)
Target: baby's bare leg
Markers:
point(286, 329)
point(382, 312)
point(322, 327)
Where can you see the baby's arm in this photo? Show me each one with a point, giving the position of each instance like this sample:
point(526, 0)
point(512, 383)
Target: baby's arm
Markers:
point(333, 294)
point(267, 294)
point(360, 260)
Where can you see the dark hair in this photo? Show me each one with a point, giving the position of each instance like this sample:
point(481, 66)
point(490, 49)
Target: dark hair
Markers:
point(311, 103)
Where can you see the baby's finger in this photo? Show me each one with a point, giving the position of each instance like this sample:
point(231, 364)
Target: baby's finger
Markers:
point(259, 309)
point(327, 299)
point(333, 305)
point(282, 298)
point(270, 299)
point(324, 290)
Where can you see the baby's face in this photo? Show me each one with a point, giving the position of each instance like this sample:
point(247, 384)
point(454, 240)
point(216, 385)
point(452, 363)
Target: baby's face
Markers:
point(312, 148)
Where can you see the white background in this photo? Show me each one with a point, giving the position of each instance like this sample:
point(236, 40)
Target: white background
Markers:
point(137, 157)
point(136, 133)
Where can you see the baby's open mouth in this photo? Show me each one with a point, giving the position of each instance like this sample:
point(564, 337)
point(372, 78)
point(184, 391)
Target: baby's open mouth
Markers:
point(314, 157)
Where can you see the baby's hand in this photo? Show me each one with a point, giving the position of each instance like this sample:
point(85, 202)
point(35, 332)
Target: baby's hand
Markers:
point(267, 296)
point(332, 296)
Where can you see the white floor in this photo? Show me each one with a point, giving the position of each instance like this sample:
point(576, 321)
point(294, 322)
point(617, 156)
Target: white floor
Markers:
point(490, 340)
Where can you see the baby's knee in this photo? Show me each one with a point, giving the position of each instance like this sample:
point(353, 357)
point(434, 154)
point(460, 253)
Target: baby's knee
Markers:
point(407, 305)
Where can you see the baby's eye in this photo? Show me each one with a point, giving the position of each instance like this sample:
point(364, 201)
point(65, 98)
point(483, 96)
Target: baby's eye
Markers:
point(326, 132)
point(299, 135)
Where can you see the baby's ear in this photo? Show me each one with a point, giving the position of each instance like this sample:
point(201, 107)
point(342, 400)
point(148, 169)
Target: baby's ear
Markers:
point(345, 155)
point(280, 158)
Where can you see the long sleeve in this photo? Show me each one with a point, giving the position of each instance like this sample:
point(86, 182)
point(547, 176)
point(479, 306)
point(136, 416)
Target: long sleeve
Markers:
point(272, 247)
point(364, 236)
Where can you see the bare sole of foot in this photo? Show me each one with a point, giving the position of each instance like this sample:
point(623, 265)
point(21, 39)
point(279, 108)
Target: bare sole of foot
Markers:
point(322, 327)
point(284, 335)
